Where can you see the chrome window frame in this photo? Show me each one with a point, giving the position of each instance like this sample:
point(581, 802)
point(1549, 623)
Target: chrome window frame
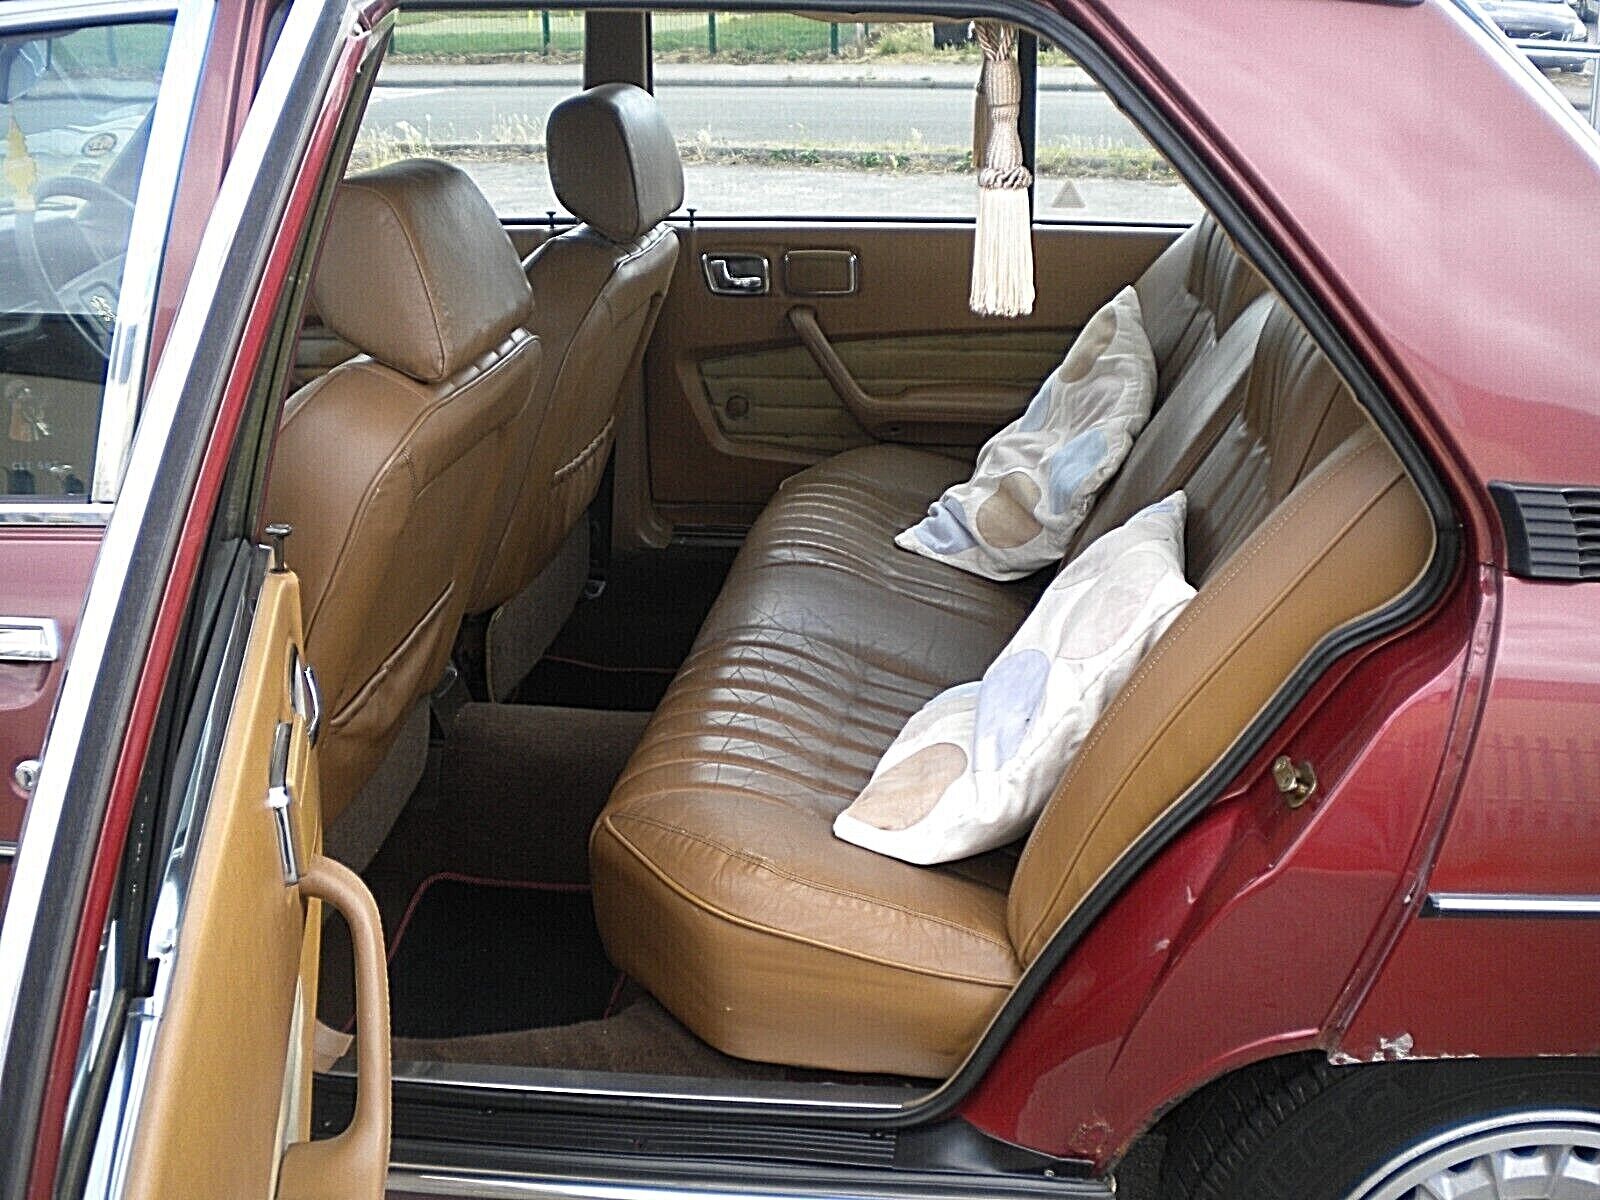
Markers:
point(127, 365)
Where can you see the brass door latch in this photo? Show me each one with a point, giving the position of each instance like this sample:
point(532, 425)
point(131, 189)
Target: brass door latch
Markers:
point(1296, 783)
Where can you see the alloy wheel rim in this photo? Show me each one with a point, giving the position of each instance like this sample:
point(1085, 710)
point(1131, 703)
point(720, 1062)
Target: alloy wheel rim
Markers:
point(1548, 1156)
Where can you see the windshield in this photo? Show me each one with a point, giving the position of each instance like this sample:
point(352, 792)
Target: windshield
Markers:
point(75, 113)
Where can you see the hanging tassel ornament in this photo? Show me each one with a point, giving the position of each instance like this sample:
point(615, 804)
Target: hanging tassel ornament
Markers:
point(1002, 251)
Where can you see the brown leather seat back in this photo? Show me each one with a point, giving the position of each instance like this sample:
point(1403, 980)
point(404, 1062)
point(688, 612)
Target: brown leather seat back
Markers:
point(596, 292)
point(387, 465)
point(1191, 296)
point(1301, 520)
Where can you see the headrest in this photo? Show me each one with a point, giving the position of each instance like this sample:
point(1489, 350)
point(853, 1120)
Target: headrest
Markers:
point(417, 271)
point(612, 159)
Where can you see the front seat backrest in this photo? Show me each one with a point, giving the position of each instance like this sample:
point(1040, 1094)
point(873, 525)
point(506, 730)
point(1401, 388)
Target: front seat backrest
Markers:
point(596, 292)
point(387, 465)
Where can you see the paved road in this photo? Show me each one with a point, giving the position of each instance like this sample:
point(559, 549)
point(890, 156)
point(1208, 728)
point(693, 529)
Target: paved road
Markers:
point(523, 189)
point(784, 115)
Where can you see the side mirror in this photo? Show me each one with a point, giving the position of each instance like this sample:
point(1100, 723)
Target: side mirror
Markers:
point(22, 65)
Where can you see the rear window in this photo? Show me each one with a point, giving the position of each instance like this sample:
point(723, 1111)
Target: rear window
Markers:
point(75, 110)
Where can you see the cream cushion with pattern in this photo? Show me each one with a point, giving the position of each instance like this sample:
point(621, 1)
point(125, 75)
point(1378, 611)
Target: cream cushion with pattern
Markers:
point(975, 766)
point(1035, 480)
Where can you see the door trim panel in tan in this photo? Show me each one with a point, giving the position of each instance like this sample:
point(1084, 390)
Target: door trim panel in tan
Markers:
point(714, 357)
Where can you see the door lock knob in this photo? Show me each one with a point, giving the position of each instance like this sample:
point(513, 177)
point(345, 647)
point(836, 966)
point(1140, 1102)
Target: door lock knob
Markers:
point(277, 534)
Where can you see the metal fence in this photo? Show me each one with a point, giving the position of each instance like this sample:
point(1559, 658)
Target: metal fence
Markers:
point(676, 36)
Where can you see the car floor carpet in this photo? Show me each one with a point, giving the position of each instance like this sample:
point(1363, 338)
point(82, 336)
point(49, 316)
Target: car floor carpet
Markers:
point(638, 1038)
point(478, 956)
point(642, 1038)
point(511, 796)
point(620, 651)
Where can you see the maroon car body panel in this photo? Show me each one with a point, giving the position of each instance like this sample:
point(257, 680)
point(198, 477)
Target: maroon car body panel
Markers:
point(44, 572)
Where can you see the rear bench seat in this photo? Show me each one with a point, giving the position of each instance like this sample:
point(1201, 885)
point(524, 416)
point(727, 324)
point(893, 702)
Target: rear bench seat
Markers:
point(718, 883)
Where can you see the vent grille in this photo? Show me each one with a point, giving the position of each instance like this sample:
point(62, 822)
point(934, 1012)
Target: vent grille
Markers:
point(1552, 532)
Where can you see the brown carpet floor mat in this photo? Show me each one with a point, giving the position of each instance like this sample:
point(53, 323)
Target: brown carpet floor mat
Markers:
point(511, 798)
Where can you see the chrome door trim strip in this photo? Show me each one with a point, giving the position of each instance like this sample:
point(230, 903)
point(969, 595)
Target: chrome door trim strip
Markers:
point(428, 1181)
point(1509, 905)
point(66, 512)
point(8, 851)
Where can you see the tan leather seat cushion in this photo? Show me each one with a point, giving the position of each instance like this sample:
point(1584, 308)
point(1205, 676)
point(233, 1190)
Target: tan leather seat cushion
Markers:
point(717, 876)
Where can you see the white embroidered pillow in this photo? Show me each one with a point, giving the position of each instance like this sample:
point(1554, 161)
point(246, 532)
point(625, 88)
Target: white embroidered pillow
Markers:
point(976, 765)
point(1035, 480)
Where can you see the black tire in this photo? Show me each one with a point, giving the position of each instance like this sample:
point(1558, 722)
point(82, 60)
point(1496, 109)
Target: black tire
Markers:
point(1298, 1129)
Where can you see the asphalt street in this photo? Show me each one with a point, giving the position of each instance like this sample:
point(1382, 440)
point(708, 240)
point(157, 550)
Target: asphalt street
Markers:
point(866, 116)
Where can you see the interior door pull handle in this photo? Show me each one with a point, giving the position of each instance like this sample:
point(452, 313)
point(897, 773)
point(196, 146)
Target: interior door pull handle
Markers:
point(888, 416)
point(29, 639)
point(721, 278)
point(355, 1164)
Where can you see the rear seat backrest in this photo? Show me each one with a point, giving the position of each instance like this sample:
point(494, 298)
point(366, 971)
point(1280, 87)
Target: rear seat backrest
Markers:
point(1296, 411)
point(1185, 317)
point(1301, 519)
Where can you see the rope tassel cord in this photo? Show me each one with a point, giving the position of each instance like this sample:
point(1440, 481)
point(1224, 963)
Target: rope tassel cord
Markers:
point(1002, 251)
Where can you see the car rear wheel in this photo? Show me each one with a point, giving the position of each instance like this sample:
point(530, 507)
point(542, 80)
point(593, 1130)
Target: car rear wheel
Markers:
point(1481, 1130)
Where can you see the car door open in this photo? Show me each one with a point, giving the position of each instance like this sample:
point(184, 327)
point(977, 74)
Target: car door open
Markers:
point(227, 1105)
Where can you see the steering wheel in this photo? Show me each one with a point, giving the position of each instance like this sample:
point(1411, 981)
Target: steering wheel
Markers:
point(88, 299)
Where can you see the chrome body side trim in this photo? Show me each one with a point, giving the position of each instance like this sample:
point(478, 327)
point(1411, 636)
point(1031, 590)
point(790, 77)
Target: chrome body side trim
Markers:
point(8, 851)
point(1488, 904)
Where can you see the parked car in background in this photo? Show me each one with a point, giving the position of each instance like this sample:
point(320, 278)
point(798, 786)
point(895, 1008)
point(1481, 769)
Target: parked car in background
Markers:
point(527, 587)
point(1555, 21)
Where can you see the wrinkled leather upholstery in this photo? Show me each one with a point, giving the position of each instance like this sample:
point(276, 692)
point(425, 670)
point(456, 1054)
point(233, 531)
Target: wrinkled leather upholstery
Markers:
point(596, 292)
point(717, 881)
point(385, 465)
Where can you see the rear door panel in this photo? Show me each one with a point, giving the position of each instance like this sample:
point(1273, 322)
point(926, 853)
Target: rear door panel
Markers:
point(735, 403)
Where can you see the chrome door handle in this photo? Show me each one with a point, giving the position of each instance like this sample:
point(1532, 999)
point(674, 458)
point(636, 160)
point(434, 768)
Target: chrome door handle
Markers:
point(29, 639)
point(280, 799)
point(736, 274)
point(306, 695)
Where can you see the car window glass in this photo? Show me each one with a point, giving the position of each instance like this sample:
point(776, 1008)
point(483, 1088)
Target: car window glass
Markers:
point(75, 110)
point(1091, 163)
point(474, 89)
point(777, 115)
